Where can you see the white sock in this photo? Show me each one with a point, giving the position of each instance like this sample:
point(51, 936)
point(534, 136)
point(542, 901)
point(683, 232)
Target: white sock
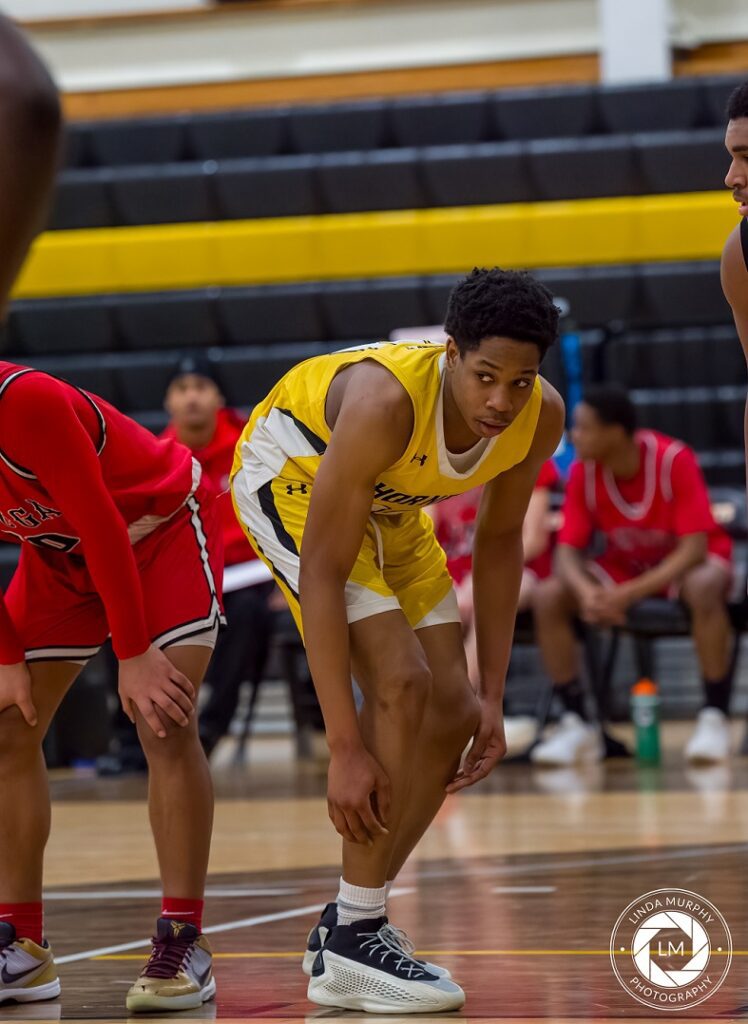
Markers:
point(387, 887)
point(357, 903)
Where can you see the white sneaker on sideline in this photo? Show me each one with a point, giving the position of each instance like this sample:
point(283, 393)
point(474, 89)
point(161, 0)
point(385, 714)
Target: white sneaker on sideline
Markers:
point(521, 731)
point(572, 741)
point(711, 740)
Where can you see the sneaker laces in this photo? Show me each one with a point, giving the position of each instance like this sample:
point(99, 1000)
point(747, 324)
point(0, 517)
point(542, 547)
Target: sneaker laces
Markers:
point(167, 957)
point(381, 945)
point(398, 937)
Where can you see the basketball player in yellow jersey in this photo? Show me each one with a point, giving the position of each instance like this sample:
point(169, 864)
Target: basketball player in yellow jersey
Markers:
point(330, 479)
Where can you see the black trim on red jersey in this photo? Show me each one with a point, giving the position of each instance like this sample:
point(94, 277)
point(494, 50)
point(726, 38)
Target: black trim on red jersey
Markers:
point(20, 470)
point(744, 240)
point(99, 416)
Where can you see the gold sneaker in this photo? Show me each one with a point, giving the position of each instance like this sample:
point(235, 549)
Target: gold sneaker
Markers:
point(179, 973)
point(27, 971)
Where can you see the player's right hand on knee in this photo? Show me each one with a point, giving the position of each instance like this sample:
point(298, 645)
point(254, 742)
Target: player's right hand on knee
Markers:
point(152, 685)
point(358, 795)
point(15, 690)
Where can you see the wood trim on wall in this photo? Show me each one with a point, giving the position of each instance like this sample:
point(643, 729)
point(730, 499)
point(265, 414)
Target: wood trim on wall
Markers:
point(716, 58)
point(268, 92)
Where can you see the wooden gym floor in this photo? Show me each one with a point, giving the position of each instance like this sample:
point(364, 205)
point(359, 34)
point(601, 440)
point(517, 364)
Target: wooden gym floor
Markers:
point(515, 889)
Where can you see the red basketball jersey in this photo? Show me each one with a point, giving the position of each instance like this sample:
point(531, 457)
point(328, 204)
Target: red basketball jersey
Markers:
point(641, 518)
point(80, 479)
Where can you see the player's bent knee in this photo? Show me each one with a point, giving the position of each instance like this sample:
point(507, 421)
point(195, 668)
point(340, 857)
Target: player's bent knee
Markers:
point(179, 740)
point(404, 690)
point(705, 589)
point(456, 719)
point(17, 739)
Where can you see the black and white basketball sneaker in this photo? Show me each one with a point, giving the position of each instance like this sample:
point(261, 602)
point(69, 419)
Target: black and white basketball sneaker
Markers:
point(359, 967)
point(329, 919)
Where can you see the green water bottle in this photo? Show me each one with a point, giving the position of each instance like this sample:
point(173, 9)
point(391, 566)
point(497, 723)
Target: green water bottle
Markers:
point(645, 714)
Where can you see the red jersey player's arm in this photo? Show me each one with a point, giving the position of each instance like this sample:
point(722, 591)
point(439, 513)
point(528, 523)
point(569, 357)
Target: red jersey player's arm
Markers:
point(734, 276)
point(30, 125)
point(575, 535)
point(41, 432)
point(498, 556)
point(370, 434)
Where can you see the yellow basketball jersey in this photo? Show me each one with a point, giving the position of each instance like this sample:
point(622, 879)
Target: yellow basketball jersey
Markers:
point(287, 433)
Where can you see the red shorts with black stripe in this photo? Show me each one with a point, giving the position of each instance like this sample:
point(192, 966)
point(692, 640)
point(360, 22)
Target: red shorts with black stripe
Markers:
point(59, 616)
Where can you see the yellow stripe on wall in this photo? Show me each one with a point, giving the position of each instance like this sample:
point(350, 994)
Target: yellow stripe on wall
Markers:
point(634, 229)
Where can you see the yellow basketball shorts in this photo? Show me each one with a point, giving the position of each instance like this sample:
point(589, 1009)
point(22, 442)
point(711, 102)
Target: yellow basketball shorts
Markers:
point(400, 565)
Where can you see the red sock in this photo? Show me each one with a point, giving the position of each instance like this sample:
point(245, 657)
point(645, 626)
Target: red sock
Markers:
point(183, 910)
point(26, 918)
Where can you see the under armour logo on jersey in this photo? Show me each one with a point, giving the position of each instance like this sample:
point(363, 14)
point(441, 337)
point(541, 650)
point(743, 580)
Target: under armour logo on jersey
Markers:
point(419, 458)
point(300, 488)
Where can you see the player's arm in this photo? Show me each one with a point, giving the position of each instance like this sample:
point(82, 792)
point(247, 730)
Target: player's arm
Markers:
point(734, 275)
point(498, 560)
point(536, 532)
point(30, 127)
point(41, 431)
point(370, 434)
point(688, 552)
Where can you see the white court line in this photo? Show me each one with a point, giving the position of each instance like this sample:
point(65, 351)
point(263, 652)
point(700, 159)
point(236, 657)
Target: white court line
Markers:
point(246, 922)
point(133, 894)
point(524, 888)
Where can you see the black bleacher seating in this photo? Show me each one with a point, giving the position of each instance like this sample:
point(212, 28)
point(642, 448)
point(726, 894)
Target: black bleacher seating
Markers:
point(157, 140)
point(155, 420)
point(143, 377)
point(276, 187)
point(95, 374)
point(82, 199)
point(436, 294)
point(434, 119)
point(237, 133)
point(272, 313)
point(172, 194)
point(439, 120)
point(596, 295)
point(490, 172)
point(705, 418)
point(76, 146)
point(682, 293)
point(371, 309)
point(583, 168)
point(61, 326)
point(717, 91)
point(562, 112)
point(246, 375)
point(334, 128)
point(685, 357)
point(166, 320)
point(386, 179)
point(661, 106)
point(684, 161)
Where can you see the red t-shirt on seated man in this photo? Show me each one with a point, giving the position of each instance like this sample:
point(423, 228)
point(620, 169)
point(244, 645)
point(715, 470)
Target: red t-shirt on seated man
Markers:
point(643, 497)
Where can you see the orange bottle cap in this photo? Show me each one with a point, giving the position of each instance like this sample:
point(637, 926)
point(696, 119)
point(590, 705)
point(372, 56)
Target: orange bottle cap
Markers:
point(644, 688)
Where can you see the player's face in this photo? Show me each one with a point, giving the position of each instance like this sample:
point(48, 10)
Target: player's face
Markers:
point(193, 401)
point(492, 384)
point(736, 140)
point(593, 439)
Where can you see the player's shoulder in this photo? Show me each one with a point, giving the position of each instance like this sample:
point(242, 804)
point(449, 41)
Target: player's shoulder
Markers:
point(374, 391)
point(552, 416)
point(30, 385)
point(734, 266)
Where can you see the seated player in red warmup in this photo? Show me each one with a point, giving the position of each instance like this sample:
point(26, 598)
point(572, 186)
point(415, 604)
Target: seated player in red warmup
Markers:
point(645, 495)
point(117, 535)
point(200, 419)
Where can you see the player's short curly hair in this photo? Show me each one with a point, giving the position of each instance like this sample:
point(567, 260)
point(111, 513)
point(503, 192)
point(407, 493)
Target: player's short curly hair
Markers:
point(501, 304)
point(612, 406)
point(737, 105)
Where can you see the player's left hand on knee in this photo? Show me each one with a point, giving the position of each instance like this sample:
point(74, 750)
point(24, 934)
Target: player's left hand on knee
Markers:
point(152, 685)
point(486, 750)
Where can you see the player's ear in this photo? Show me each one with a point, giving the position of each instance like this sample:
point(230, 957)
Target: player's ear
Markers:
point(453, 352)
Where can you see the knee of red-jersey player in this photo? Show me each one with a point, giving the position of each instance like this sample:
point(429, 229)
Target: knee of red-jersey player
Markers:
point(704, 587)
point(552, 597)
point(180, 740)
point(18, 740)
